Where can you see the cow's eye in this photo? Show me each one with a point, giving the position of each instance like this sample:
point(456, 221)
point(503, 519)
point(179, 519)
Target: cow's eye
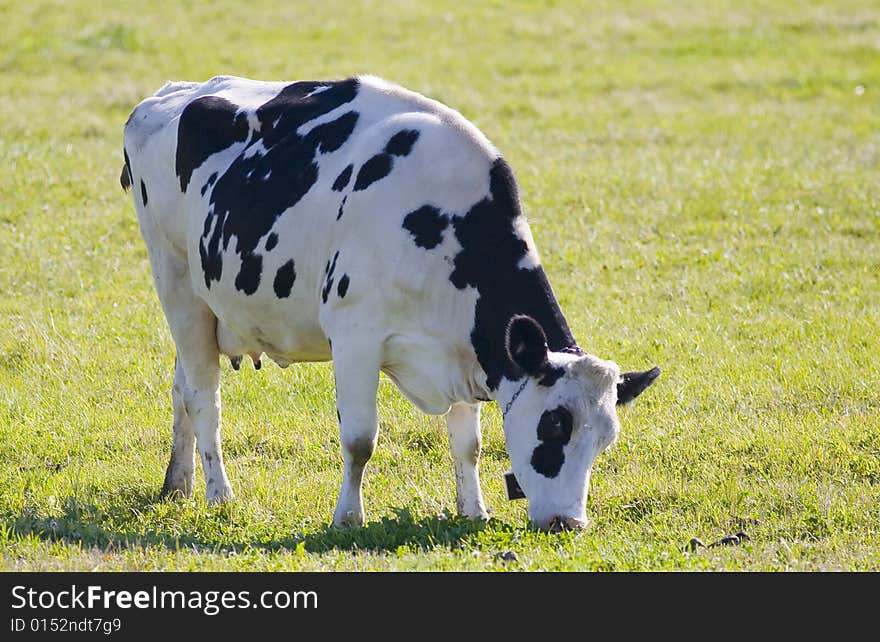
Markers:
point(555, 425)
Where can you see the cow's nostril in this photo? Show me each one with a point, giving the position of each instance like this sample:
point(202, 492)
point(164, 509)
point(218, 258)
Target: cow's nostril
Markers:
point(559, 524)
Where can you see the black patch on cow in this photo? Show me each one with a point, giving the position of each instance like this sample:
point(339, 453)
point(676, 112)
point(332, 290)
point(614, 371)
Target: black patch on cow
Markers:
point(341, 205)
point(332, 135)
point(402, 142)
point(284, 279)
point(342, 288)
point(208, 125)
point(212, 260)
point(426, 224)
point(255, 190)
point(491, 251)
point(125, 175)
point(328, 283)
point(248, 279)
point(211, 180)
point(554, 432)
point(378, 167)
point(547, 459)
point(342, 180)
point(271, 242)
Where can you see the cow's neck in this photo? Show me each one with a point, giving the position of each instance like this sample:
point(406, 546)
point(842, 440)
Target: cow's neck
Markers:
point(523, 292)
point(498, 258)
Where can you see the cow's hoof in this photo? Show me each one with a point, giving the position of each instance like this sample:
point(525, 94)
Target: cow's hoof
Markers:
point(350, 519)
point(177, 486)
point(478, 516)
point(220, 496)
point(174, 492)
point(473, 510)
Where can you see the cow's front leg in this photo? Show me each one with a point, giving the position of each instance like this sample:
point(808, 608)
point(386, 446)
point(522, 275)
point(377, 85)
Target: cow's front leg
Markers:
point(356, 366)
point(463, 425)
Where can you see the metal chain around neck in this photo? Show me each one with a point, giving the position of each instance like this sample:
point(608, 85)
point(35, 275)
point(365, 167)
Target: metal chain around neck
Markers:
point(516, 394)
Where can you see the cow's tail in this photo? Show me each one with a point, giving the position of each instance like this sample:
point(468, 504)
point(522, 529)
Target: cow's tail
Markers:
point(125, 176)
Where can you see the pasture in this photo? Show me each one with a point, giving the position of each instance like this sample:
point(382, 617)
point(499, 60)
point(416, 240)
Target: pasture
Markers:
point(702, 180)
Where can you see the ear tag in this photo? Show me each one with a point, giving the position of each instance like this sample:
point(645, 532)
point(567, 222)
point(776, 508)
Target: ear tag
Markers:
point(512, 487)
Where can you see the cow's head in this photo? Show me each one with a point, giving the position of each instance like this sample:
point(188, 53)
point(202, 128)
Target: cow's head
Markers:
point(560, 414)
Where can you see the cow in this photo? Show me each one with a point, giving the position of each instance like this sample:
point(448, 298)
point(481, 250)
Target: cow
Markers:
point(360, 222)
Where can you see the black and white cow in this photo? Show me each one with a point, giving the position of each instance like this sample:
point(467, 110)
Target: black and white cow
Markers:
point(358, 221)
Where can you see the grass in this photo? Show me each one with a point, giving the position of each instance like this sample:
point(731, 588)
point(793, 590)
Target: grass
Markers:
point(701, 179)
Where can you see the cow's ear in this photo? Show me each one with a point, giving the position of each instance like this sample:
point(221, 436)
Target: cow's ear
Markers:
point(526, 344)
point(632, 384)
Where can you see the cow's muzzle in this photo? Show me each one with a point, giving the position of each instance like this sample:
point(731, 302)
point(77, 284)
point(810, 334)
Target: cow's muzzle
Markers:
point(558, 524)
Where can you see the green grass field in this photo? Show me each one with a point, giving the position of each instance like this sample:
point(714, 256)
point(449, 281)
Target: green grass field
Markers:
point(701, 179)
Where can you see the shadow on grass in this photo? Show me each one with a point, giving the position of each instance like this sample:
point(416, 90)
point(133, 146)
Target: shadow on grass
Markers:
point(110, 528)
point(391, 533)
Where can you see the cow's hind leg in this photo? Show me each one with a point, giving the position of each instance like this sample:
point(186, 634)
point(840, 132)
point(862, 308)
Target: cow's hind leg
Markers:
point(196, 390)
point(180, 475)
point(356, 365)
point(463, 425)
point(194, 329)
